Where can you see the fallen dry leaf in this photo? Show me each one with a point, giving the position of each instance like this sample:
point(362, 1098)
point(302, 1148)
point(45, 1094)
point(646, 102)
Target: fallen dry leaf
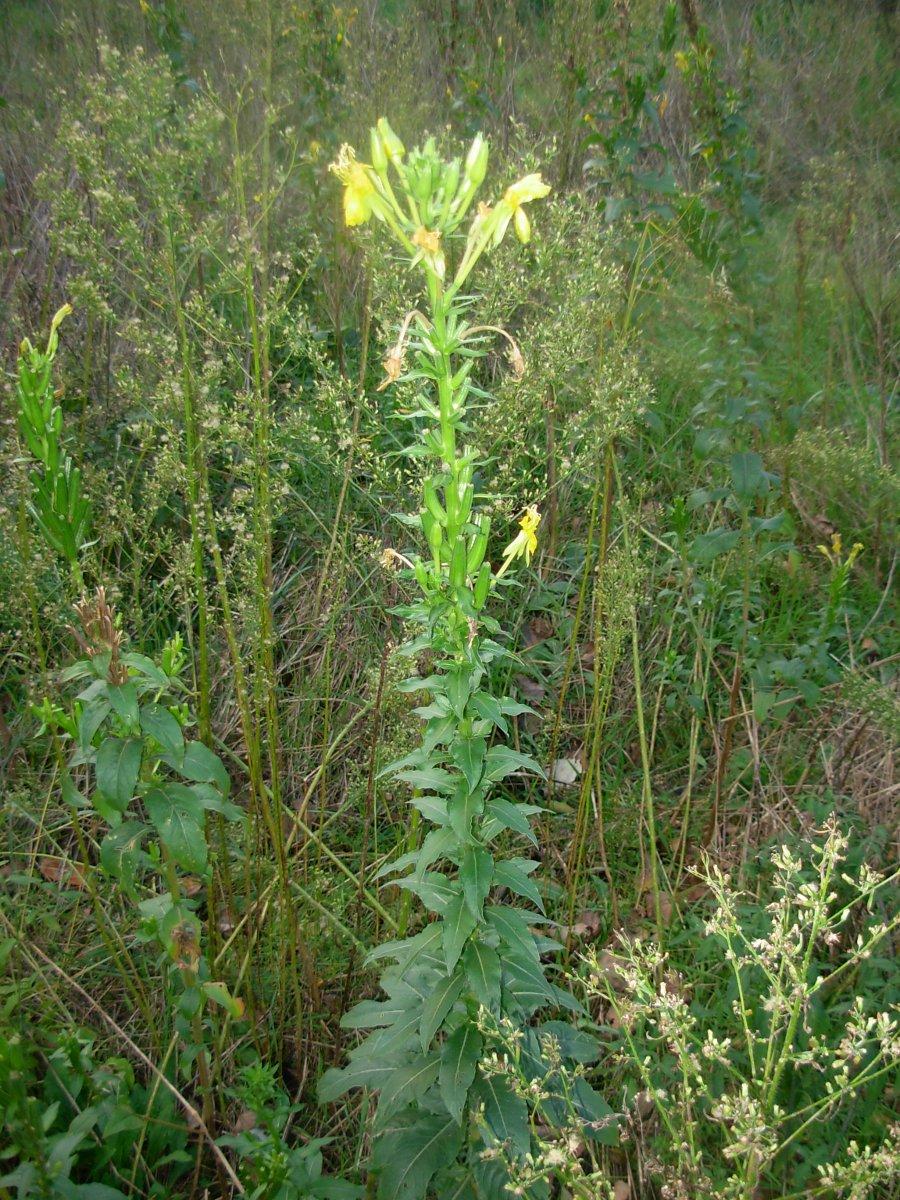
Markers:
point(245, 1121)
point(58, 870)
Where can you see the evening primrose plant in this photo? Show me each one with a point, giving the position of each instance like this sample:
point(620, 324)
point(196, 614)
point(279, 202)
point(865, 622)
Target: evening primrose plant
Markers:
point(447, 1119)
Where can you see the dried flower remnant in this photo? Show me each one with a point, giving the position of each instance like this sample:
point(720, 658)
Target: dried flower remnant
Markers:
point(98, 633)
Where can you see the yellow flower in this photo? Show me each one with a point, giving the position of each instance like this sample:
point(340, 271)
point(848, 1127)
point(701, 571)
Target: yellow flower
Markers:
point(835, 554)
point(359, 190)
point(429, 244)
point(531, 187)
point(525, 541)
point(428, 240)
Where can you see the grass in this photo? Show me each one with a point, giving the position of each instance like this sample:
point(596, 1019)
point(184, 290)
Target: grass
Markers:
point(711, 681)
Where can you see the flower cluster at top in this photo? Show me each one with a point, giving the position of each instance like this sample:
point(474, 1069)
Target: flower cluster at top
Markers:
point(437, 197)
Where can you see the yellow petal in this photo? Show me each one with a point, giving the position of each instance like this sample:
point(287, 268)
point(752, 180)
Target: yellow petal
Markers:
point(532, 187)
point(357, 206)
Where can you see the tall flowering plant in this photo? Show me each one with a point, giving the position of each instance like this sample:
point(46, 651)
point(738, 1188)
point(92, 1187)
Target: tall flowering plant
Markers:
point(451, 1116)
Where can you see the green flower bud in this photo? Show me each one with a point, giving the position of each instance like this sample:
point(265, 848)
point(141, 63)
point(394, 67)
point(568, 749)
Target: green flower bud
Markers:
point(393, 147)
point(377, 150)
point(476, 162)
point(482, 585)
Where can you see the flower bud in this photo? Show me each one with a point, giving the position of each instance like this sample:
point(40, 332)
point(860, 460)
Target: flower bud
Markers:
point(450, 181)
point(377, 150)
point(522, 226)
point(393, 147)
point(476, 162)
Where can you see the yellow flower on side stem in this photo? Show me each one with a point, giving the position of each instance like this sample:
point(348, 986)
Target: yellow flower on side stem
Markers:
point(359, 189)
point(531, 187)
point(836, 554)
point(525, 541)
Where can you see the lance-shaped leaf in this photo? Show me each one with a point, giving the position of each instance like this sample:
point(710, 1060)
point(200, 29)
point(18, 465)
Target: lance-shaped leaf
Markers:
point(178, 817)
point(407, 1085)
point(512, 816)
point(503, 760)
point(202, 766)
point(476, 870)
point(410, 1153)
point(525, 983)
point(121, 854)
point(438, 1004)
point(118, 766)
point(433, 889)
point(469, 755)
point(462, 809)
point(456, 926)
point(158, 723)
point(482, 967)
point(370, 1014)
point(366, 1072)
point(434, 779)
point(488, 708)
point(505, 1112)
point(513, 929)
point(510, 875)
point(459, 1058)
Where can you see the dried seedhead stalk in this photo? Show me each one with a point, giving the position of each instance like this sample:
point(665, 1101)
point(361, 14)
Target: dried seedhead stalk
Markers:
point(98, 633)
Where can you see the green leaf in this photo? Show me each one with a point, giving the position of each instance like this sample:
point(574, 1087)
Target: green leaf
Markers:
point(409, 1155)
point(363, 1073)
point(510, 875)
point(476, 870)
point(157, 722)
point(503, 760)
point(178, 817)
point(124, 701)
point(748, 476)
point(406, 950)
point(219, 994)
point(511, 817)
point(459, 1058)
point(148, 668)
point(574, 1043)
point(433, 808)
point(469, 756)
point(763, 702)
point(397, 1037)
point(118, 767)
point(120, 851)
point(482, 967)
point(406, 1086)
point(369, 1014)
point(488, 708)
point(434, 779)
point(458, 922)
point(512, 928)
point(92, 717)
point(202, 766)
point(459, 684)
point(438, 1004)
point(513, 708)
point(505, 1112)
point(601, 1123)
point(433, 889)
point(708, 546)
point(524, 980)
point(462, 808)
